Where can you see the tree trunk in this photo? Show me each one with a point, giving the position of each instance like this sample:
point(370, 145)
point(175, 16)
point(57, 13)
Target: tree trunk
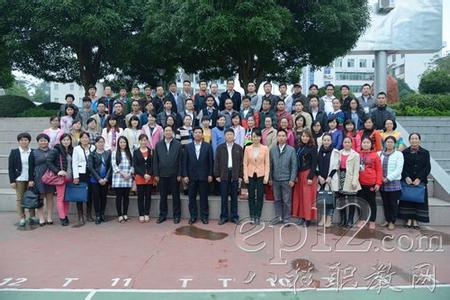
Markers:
point(89, 66)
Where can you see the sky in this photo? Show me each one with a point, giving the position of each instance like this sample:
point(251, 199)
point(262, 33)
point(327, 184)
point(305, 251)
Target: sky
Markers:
point(446, 24)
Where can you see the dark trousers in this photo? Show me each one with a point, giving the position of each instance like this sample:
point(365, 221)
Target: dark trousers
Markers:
point(201, 187)
point(99, 196)
point(255, 201)
point(171, 184)
point(122, 200)
point(85, 178)
point(229, 187)
point(390, 205)
point(368, 195)
point(144, 197)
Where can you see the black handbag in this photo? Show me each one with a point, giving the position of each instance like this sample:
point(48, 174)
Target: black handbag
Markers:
point(325, 197)
point(31, 199)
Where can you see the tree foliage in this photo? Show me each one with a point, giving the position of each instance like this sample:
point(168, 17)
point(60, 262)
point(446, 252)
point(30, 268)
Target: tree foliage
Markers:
point(257, 39)
point(69, 40)
point(437, 79)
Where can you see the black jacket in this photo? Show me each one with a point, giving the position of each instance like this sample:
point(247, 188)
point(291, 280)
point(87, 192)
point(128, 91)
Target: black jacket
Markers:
point(201, 168)
point(345, 102)
point(221, 162)
point(167, 163)
point(15, 165)
point(307, 160)
point(142, 166)
point(236, 100)
point(55, 157)
point(174, 102)
point(322, 118)
point(416, 165)
point(380, 114)
point(95, 164)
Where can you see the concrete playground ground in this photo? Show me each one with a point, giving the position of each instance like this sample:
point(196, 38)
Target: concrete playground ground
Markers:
point(181, 261)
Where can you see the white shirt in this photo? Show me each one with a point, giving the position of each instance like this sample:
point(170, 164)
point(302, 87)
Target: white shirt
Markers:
point(281, 147)
point(328, 103)
point(314, 113)
point(24, 155)
point(168, 144)
point(230, 157)
point(197, 149)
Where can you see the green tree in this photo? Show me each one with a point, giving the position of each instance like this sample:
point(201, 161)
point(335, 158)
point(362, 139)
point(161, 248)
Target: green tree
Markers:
point(257, 39)
point(435, 81)
point(403, 88)
point(6, 78)
point(69, 40)
point(42, 92)
point(17, 89)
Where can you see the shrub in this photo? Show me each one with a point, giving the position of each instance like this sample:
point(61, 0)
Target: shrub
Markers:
point(51, 106)
point(38, 112)
point(12, 106)
point(423, 105)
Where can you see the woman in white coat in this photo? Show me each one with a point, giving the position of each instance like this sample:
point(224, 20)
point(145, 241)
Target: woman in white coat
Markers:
point(348, 177)
point(392, 163)
point(81, 173)
point(328, 175)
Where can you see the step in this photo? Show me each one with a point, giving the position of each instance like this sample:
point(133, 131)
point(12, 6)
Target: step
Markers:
point(417, 121)
point(433, 137)
point(439, 210)
point(431, 145)
point(11, 135)
point(24, 123)
point(440, 153)
point(444, 162)
point(3, 161)
point(425, 130)
point(6, 146)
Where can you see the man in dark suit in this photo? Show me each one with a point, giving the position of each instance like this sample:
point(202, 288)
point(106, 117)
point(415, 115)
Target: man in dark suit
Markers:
point(197, 172)
point(230, 93)
point(228, 170)
point(173, 95)
point(167, 172)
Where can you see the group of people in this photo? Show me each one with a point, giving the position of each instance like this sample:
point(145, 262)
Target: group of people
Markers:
point(284, 148)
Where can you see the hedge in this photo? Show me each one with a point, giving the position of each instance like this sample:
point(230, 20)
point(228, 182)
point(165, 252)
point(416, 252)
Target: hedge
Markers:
point(50, 106)
point(12, 106)
point(415, 104)
point(38, 111)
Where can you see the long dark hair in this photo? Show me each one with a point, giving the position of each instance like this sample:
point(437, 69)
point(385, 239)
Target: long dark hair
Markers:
point(349, 121)
point(118, 150)
point(108, 127)
point(70, 148)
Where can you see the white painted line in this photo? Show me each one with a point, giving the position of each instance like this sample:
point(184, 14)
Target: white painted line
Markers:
point(90, 295)
point(207, 290)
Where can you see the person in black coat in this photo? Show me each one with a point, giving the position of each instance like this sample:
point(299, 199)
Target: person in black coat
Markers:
point(230, 93)
point(167, 172)
point(197, 172)
point(99, 164)
point(142, 164)
point(21, 174)
point(416, 169)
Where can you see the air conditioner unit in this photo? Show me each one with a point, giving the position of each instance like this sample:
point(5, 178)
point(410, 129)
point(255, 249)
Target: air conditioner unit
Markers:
point(386, 5)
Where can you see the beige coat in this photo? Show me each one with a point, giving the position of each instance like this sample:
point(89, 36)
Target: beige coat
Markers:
point(334, 165)
point(352, 172)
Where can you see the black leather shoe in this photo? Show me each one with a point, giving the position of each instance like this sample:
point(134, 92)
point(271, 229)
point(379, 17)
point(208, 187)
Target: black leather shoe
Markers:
point(176, 220)
point(307, 223)
point(205, 221)
point(98, 220)
point(160, 220)
point(191, 221)
point(257, 221)
point(222, 221)
point(235, 221)
point(343, 221)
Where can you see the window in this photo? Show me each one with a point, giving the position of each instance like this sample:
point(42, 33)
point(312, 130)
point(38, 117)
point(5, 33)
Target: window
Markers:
point(55, 86)
point(361, 76)
point(363, 63)
point(401, 70)
point(72, 87)
point(326, 82)
point(327, 70)
point(402, 55)
point(373, 63)
point(351, 63)
point(310, 77)
point(56, 99)
point(338, 63)
point(394, 57)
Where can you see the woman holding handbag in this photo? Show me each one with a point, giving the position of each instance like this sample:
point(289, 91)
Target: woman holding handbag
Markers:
point(122, 179)
point(327, 168)
point(142, 164)
point(59, 162)
point(81, 174)
point(99, 163)
point(392, 162)
point(40, 166)
point(415, 173)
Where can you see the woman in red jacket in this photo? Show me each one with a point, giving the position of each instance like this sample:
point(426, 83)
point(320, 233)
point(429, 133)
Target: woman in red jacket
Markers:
point(370, 178)
point(370, 131)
